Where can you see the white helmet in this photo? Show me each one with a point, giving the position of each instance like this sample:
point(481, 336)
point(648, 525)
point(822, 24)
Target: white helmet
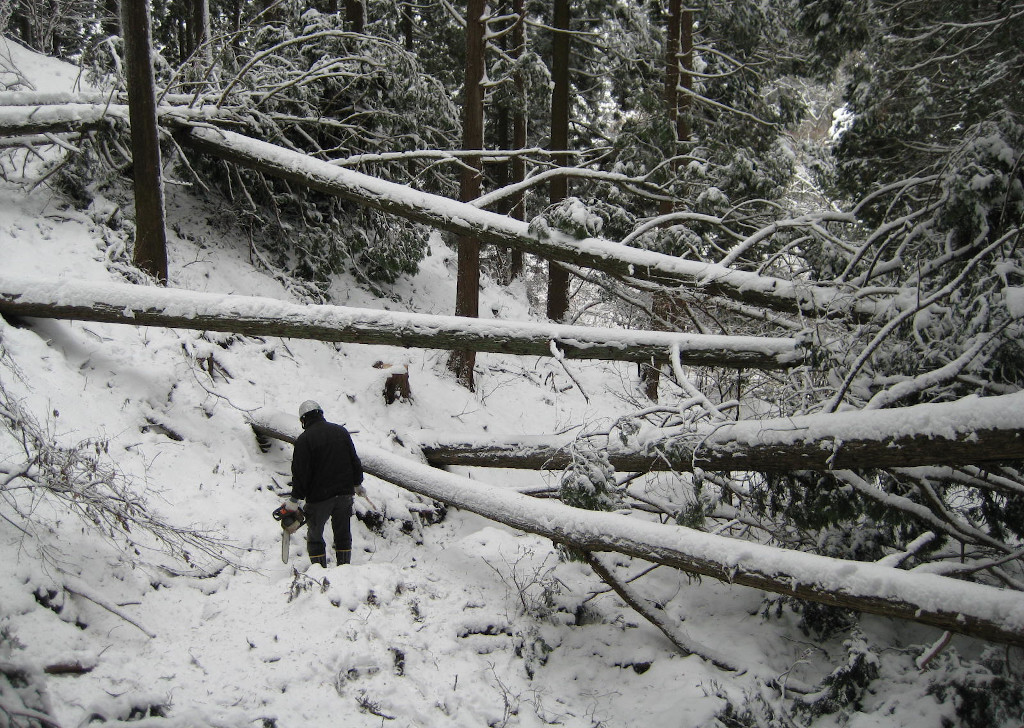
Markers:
point(308, 406)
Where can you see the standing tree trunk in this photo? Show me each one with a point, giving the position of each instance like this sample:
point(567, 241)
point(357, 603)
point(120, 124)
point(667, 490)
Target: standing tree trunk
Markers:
point(407, 25)
point(558, 277)
point(150, 234)
point(678, 57)
point(355, 14)
point(467, 296)
point(199, 29)
point(518, 130)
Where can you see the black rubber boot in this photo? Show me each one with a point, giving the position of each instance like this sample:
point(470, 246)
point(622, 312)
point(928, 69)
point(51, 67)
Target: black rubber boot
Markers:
point(344, 556)
point(321, 559)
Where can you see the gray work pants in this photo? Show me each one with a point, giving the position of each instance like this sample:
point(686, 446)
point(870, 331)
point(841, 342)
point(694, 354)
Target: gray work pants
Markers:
point(339, 511)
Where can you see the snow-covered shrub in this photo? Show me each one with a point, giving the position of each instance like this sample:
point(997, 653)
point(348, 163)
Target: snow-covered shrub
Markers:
point(834, 27)
point(983, 185)
point(817, 621)
point(832, 519)
point(96, 170)
point(589, 481)
point(385, 249)
point(530, 645)
point(841, 691)
point(24, 702)
point(984, 694)
point(56, 29)
point(572, 217)
point(309, 85)
point(302, 583)
point(532, 586)
point(819, 503)
point(677, 240)
point(747, 174)
point(533, 93)
point(752, 710)
point(24, 699)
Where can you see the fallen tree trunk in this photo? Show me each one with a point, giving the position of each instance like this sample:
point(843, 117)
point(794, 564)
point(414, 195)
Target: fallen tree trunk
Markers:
point(22, 121)
point(951, 605)
point(445, 214)
point(970, 431)
point(99, 98)
point(151, 306)
point(29, 114)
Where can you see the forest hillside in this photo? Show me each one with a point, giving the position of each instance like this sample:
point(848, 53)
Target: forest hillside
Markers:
point(144, 583)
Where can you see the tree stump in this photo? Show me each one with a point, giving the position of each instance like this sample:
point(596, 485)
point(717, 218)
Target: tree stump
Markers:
point(396, 386)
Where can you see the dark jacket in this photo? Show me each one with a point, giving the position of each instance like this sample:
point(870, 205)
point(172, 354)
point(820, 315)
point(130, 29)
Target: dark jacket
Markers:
point(324, 463)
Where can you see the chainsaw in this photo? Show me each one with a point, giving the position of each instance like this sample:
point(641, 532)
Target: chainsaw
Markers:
point(290, 523)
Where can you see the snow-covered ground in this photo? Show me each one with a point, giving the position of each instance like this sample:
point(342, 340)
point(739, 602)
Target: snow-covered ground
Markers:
point(455, 623)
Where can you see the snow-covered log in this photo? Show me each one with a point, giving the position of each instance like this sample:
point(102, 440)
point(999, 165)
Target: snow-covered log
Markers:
point(951, 605)
point(151, 306)
point(101, 98)
point(57, 98)
point(29, 120)
point(464, 219)
point(970, 431)
point(24, 114)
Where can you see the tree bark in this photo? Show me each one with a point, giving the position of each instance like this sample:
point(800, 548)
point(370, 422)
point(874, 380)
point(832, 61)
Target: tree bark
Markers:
point(147, 306)
point(467, 295)
point(150, 235)
point(678, 52)
point(904, 437)
point(665, 310)
point(950, 605)
point(518, 211)
point(406, 24)
point(199, 29)
point(355, 15)
point(558, 277)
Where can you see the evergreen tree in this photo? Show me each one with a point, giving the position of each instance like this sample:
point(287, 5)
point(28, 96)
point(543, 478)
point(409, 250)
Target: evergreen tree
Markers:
point(928, 160)
point(931, 159)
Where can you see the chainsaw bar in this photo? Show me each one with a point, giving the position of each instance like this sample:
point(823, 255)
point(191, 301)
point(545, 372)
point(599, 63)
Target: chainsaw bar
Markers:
point(290, 522)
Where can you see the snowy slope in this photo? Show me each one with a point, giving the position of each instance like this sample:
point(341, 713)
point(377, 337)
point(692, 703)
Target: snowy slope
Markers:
point(456, 623)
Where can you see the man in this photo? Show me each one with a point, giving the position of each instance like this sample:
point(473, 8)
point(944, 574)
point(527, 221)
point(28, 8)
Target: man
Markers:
point(325, 473)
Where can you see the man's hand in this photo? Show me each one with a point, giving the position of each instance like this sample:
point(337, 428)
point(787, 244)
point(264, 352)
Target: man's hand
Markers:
point(291, 505)
point(361, 492)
